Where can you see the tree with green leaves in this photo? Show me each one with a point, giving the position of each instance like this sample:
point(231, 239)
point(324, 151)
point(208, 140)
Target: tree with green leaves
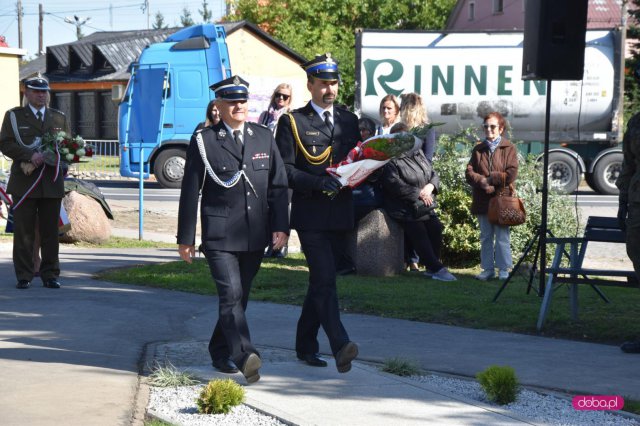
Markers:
point(159, 23)
point(205, 12)
point(185, 19)
point(313, 27)
point(631, 86)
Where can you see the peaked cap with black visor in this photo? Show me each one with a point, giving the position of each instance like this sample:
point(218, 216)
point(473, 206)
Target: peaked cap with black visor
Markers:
point(231, 89)
point(322, 67)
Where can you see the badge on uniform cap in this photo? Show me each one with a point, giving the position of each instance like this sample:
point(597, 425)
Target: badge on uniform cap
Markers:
point(236, 80)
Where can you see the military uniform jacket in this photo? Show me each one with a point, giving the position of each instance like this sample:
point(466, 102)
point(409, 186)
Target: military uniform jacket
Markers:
point(629, 179)
point(30, 128)
point(311, 209)
point(236, 218)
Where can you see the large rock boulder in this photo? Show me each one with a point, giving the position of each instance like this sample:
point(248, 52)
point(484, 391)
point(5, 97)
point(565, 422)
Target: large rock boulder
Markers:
point(88, 221)
point(377, 246)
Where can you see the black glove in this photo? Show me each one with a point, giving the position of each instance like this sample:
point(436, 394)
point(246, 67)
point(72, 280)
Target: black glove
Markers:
point(330, 184)
point(623, 209)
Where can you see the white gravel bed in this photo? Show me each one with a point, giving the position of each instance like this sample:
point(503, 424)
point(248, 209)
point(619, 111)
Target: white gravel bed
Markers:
point(531, 405)
point(178, 405)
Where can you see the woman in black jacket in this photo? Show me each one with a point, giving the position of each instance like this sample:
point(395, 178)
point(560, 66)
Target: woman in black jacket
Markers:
point(409, 185)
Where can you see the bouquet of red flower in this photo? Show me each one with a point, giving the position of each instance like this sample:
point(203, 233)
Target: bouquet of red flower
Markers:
point(375, 152)
point(60, 146)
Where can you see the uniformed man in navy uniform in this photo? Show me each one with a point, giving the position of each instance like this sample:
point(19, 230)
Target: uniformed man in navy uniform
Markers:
point(37, 188)
point(238, 169)
point(311, 139)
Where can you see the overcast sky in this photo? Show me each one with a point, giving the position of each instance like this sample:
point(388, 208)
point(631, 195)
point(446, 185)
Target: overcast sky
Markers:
point(106, 15)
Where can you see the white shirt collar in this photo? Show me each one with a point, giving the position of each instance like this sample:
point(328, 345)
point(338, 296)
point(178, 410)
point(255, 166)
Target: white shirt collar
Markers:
point(231, 130)
point(321, 111)
point(35, 111)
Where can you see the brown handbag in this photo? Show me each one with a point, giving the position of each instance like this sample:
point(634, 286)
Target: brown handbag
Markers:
point(506, 210)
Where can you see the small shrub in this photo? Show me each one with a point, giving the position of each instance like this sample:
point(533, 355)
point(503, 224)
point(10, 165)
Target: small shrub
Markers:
point(401, 367)
point(219, 396)
point(499, 383)
point(168, 375)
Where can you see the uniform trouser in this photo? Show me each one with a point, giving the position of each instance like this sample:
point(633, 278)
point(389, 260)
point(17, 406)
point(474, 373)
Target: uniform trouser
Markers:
point(47, 212)
point(233, 273)
point(633, 236)
point(426, 238)
point(496, 254)
point(320, 306)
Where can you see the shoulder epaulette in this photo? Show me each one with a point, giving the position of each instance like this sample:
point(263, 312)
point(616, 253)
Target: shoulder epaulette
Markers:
point(56, 110)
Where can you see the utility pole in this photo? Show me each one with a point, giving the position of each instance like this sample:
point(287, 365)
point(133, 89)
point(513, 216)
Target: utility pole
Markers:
point(78, 22)
point(40, 29)
point(145, 8)
point(20, 13)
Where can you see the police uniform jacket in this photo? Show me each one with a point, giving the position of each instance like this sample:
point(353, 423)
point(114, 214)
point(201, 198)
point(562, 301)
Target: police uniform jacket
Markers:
point(311, 209)
point(30, 128)
point(236, 218)
point(629, 179)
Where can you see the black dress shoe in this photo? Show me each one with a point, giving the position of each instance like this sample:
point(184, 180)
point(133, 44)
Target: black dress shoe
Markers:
point(51, 283)
point(23, 284)
point(345, 355)
point(631, 347)
point(225, 365)
point(250, 368)
point(313, 360)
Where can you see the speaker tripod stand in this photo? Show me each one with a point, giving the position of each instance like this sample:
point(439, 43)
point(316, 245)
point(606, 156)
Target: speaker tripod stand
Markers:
point(537, 241)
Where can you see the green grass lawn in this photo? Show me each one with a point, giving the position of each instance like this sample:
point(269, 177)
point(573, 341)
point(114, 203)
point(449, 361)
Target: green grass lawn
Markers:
point(411, 296)
point(113, 242)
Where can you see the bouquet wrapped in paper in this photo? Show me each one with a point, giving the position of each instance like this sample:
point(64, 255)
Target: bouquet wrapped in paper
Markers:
point(375, 152)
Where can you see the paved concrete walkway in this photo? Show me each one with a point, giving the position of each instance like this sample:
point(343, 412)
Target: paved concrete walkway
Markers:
point(72, 356)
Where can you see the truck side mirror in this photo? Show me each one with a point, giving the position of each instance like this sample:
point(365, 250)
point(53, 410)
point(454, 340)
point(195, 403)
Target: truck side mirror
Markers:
point(117, 92)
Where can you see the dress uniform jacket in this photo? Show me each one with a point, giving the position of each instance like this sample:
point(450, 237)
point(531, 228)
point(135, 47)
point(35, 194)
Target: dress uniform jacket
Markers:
point(311, 210)
point(236, 218)
point(30, 128)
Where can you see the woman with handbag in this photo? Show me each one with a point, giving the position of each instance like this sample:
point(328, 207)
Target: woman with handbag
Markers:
point(491, 172)
point(410, 185)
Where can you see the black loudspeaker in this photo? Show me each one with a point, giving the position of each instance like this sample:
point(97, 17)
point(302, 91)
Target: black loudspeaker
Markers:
point(554, 39)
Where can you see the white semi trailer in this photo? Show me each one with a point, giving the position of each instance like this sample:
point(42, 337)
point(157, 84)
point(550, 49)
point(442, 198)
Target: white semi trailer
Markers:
point(463, 76)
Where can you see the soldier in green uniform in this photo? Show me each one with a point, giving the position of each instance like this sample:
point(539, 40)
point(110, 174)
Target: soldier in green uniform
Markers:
point(36, 188)
point(629, 201)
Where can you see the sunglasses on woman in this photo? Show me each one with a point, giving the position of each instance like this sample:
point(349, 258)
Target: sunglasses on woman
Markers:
point(283, 96)
point(490, 126)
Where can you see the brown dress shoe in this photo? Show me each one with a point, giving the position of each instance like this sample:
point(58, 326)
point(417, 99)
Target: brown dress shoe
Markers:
point(345, 355)
point(250, 368)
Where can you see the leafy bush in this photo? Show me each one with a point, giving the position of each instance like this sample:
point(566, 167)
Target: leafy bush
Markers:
point(461, 245)
point(401, 367)
point(499, 383)
point(219, 396)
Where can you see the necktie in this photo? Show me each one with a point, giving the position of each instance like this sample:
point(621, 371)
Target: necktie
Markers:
point(39, 115)
point(327, 121)
point(237, 136)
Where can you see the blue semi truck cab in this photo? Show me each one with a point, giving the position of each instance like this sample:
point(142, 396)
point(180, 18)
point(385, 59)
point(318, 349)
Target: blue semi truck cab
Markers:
point(166, 98)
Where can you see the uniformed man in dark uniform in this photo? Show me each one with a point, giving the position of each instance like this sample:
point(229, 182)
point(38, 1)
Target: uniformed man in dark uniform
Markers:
point(237, 167)
point(311, 139)
point(36, 188)
point(629, 200)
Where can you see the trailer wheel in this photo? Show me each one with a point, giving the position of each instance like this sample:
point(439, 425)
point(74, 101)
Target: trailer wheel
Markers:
point(606, 172)
point(564, 173)
point(169, 167)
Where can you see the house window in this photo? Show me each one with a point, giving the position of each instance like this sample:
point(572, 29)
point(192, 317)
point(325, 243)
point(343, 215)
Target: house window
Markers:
point(472, 11)
point(498, 6)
